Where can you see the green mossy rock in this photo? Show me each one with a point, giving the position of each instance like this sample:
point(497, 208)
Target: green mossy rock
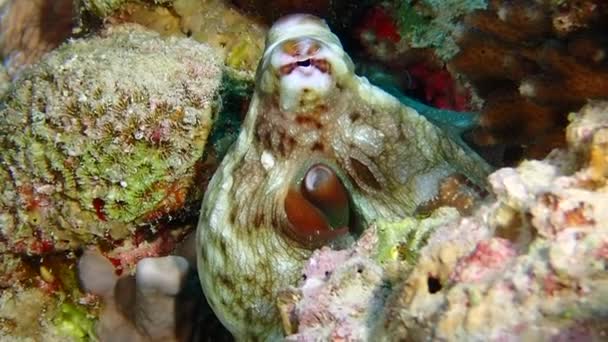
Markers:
point(103, 135)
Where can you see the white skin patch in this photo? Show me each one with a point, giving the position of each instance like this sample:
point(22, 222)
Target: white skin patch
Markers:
point(304, 74)
point(293, 85)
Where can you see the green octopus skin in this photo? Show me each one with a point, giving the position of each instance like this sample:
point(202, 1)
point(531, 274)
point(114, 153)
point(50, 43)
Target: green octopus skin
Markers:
point(309, 107)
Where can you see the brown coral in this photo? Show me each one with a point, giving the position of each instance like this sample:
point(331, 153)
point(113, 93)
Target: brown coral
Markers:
point(531, 70)
point(455, 191)
point(30, 28)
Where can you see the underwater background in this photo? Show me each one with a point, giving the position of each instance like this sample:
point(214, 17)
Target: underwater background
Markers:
point(115, 116)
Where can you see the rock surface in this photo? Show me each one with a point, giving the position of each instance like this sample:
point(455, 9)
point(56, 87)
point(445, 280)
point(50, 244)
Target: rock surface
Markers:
point(103, 135)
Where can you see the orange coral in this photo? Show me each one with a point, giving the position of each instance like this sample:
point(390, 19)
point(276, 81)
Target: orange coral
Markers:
point(455, 191)
point(30, 28)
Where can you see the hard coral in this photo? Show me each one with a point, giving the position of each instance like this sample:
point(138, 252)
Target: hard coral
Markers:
point(530, 72)
point(103, 135)
point(31, 28)
point(546, 279)
point(343, 292)
point(147, 306)
point(340, 293)
point(238, 37)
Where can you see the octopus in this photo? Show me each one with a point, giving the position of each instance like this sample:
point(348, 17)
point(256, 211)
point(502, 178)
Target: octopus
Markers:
point(321, 154)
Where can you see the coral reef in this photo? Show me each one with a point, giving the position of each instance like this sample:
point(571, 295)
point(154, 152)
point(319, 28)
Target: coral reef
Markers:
point(220, 25)
point(340, 292)
point(213, 22)
point(30, 313)
point(343, 292)
point(41, 300)
point(532, 63)
point(321, 154)
point(392, 29)
point(103, 135)
point(528, 265)
point(532, 264)
point(523, 65)
point(31, 28)
point(5, 81)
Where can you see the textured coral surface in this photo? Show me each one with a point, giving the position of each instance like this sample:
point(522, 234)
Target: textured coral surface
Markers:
point(533, 62)
point(215, 22)
point(530, 264)
point(340, 292)
point(103, 135)
point(524, 65)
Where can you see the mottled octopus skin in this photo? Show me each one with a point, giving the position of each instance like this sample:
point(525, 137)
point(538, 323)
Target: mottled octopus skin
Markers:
point(389, 158)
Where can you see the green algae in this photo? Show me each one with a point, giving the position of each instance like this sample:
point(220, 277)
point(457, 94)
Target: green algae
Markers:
point(402, 240)
point(73, 320)
point(433, 23)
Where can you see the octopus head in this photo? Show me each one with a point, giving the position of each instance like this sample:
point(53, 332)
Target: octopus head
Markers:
point(302, 64)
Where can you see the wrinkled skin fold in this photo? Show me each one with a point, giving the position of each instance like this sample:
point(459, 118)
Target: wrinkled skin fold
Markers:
point(310, 112)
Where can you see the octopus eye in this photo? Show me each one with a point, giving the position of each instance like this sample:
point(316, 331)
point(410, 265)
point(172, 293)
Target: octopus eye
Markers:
point(318, 211)
point(322, 187)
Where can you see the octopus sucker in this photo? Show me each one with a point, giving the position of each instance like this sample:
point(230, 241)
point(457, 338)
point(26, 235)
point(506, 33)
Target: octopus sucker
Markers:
point(322, 153)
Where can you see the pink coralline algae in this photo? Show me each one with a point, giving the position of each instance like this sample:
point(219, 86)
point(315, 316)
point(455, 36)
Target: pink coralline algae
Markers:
point(489, 258)
point(340, 292)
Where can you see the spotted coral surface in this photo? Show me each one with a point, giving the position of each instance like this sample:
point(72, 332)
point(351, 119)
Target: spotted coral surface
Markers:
point(103, 135)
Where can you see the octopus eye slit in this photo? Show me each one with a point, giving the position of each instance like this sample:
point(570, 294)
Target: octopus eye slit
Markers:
point(364, 176)
point(304, 63)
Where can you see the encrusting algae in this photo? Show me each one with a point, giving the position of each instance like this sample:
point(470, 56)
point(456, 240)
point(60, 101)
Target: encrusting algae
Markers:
point(103, 135)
